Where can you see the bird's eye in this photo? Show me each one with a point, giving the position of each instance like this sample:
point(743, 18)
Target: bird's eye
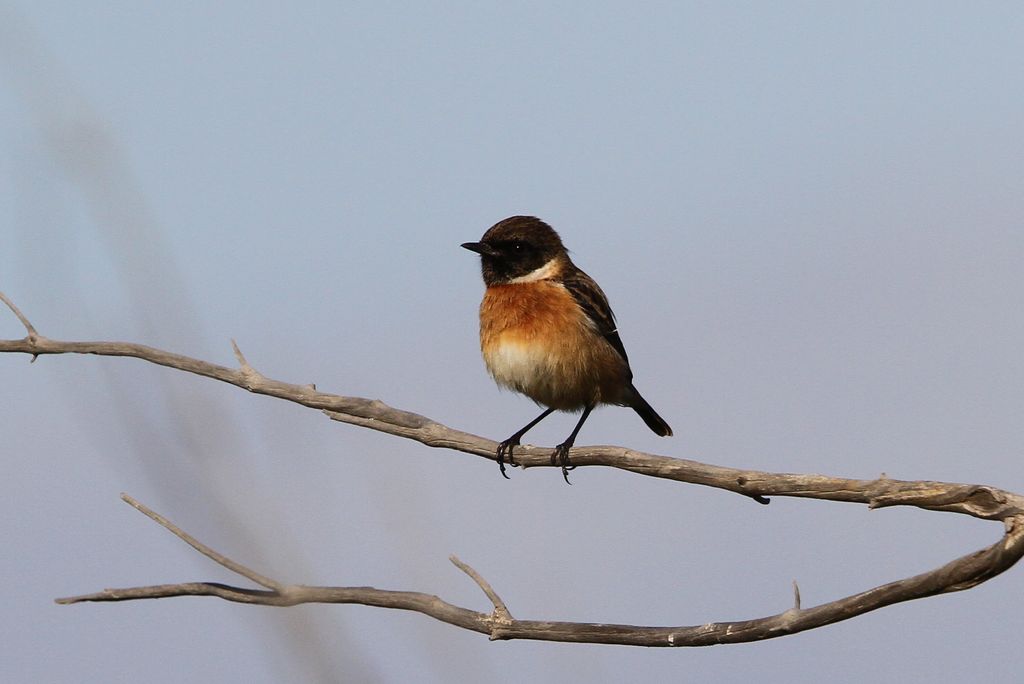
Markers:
point(511, 247)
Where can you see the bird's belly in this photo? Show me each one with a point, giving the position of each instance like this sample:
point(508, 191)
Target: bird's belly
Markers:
point(540, 372)
point(535, 340)
point(567, 373)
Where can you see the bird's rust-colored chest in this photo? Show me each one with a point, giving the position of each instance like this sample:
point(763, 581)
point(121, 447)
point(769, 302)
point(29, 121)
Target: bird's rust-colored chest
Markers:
point(526, 312)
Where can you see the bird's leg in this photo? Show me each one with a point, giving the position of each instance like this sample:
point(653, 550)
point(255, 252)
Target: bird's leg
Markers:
point(505, 448)
point(561, 453)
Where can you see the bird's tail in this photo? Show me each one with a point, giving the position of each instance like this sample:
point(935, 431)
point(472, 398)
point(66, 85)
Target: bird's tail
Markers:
point(650, 416)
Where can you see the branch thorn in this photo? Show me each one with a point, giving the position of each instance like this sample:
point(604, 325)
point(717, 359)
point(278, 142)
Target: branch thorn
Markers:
point(240, 356)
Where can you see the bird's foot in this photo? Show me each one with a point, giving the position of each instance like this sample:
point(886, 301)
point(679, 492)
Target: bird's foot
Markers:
point(560, 456)
point(504, 453)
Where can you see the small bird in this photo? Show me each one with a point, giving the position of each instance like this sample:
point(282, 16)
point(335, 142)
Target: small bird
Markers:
point(547, 331)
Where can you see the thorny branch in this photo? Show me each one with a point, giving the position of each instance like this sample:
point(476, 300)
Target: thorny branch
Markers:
point(980, 501)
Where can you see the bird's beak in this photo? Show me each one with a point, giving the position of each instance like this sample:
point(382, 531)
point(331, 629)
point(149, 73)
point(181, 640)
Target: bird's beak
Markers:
point(480, 248)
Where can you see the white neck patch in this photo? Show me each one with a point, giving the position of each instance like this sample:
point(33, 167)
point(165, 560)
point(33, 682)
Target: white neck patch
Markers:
point(546, 271)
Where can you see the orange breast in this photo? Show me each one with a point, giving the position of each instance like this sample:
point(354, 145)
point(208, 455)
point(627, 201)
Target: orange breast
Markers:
point(536, 340)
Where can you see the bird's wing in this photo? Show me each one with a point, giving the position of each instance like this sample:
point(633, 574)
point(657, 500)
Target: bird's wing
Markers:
point(591, 299)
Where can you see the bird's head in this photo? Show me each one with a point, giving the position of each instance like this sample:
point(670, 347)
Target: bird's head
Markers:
point(519, 249)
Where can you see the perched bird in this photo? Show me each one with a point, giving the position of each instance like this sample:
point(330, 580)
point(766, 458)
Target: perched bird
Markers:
point(547, 331)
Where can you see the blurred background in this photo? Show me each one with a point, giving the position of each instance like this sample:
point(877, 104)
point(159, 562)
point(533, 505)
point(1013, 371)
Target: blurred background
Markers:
point(808, 217)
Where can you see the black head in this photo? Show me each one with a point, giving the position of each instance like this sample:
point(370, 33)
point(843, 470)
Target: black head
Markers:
point(515, 247)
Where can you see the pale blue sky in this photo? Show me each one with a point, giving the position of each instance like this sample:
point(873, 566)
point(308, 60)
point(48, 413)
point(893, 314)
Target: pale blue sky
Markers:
point(809, 218)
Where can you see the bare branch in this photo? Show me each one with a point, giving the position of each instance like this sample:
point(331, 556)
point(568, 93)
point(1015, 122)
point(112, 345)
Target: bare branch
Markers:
point(979, 501)
point(21, 317)
point(231, 565)
point(962, 573)
point(32, 334)
point(500, 610)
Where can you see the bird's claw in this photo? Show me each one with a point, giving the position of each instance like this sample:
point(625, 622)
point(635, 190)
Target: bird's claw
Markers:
point(504, 453)
point(560, 456)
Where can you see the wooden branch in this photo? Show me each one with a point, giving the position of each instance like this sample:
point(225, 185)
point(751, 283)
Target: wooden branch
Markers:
point(962, 573)
point(981, 501)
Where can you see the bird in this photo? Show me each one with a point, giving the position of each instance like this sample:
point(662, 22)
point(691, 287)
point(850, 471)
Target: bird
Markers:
point(547, 331)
